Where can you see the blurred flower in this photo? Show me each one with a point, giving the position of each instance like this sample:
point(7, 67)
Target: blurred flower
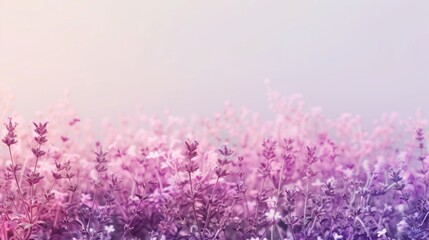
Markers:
point(109, 229)
point(337, 236)
point(273, 215)
point(381, 232)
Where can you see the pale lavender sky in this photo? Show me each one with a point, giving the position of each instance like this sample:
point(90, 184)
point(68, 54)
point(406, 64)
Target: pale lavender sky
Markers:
point(365, 57)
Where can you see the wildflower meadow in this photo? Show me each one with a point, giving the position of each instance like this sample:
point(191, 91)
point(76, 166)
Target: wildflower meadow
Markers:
point(235, 174)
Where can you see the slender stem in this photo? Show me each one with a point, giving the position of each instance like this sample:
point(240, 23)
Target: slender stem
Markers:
point(257, 202)
point(307, 191)
point(27, 236)
point(4, 230)
point(14, 173)
point(193, 206)
point(423, 170)
point(56, 216)
point(37, 157)
point(16, 234)
point(280, 232)
point(131, 221)
point(291, 231)
point(260, 190)
point(277, 199)
point(129, 224)
point(159, 181)
point(247, 204)
point(103, 211)
point(224, 219)
point(209, 204)
point(335, 214)
point(424, 219)
point(404, 197)
point(92, 210)
point(364, 227)
point(32, 190)
point(312, 226)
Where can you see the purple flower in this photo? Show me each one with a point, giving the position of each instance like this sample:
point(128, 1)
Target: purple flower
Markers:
point(269, 148)
point(10, 137)
point(41, 130)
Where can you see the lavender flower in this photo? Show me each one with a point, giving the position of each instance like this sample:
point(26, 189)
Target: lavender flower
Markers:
point(10, 138)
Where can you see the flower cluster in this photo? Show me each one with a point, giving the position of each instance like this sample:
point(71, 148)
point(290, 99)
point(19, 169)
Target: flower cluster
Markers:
point(233, 176)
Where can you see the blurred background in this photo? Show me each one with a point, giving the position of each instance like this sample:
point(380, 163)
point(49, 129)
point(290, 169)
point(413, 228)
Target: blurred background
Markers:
point(362, 57)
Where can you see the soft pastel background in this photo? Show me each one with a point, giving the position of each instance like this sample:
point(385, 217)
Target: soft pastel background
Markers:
point(365, 57)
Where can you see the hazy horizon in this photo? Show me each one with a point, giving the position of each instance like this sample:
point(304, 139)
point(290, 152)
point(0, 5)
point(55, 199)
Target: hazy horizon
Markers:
point(361, 57)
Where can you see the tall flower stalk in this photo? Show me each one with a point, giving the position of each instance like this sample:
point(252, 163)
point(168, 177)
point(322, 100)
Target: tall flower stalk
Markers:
point(9, 140)
point(191, 167)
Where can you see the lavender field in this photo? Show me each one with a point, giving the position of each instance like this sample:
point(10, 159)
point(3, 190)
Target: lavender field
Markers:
point(214, 120)
point(297, 175)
